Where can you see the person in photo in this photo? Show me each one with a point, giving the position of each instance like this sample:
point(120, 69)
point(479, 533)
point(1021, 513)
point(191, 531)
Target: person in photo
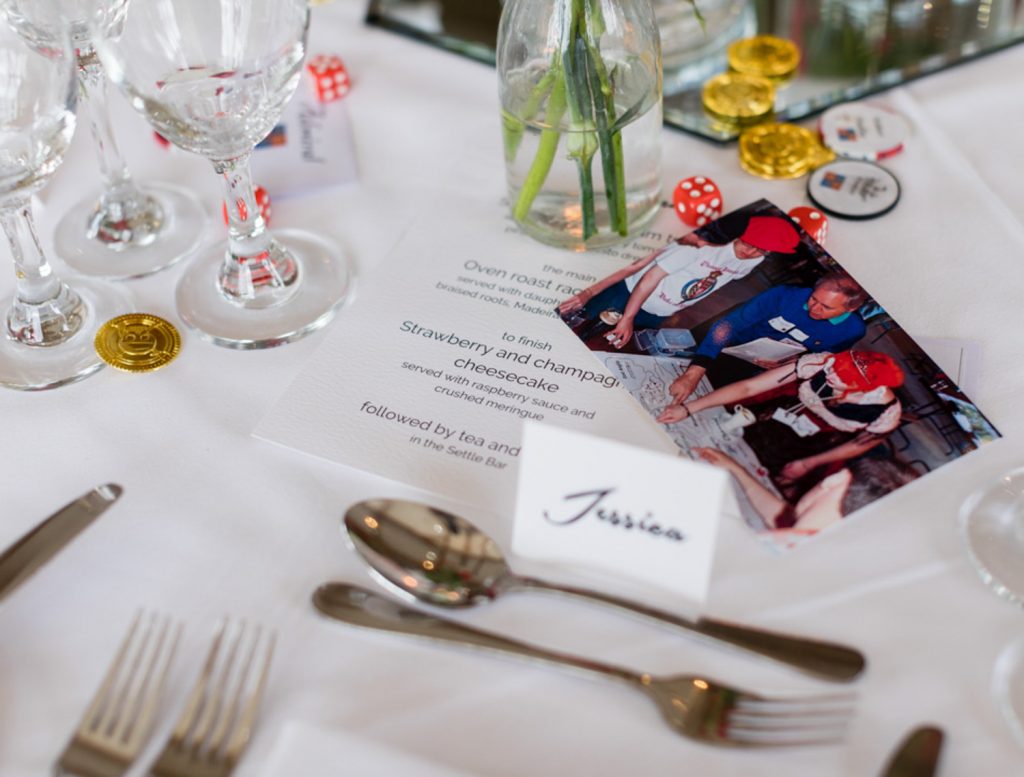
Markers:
point(651, 289)
point(858, 483)
point(822, 409)
point(822, 318)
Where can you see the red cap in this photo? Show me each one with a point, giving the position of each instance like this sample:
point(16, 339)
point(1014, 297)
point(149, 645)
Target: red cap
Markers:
point(867, 370)
point(771, 233)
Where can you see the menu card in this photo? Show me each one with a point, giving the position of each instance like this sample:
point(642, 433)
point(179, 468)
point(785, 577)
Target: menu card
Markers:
point(450, 345)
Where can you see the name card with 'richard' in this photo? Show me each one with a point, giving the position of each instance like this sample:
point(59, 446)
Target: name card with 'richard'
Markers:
point(593, 504)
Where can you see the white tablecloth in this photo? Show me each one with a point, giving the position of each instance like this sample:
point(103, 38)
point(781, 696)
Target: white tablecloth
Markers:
point(214, 521)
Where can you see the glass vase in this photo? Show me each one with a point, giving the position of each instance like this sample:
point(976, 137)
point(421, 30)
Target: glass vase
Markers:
point(580, 89)
point(695, 36)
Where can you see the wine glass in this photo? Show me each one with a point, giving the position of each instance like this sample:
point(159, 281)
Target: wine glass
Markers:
point(1008, 687)
point(213, 76)
point(992, 525)
point(125, 231)
point(48, 331)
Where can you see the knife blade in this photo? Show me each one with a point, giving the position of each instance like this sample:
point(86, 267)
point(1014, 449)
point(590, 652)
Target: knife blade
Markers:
point(40, 544)
point(918, 754)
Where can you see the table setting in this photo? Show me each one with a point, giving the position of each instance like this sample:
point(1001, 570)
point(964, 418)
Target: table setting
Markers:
point(375, 458)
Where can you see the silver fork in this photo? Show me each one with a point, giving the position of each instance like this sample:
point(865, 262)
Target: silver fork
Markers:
point(695, 707)
point(212, 731)
point(117, 721)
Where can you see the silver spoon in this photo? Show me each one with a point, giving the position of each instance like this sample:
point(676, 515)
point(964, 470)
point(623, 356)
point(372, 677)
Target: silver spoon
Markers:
point(443, 559)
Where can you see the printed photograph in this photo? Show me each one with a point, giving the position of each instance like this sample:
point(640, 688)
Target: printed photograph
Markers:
point(760, 354)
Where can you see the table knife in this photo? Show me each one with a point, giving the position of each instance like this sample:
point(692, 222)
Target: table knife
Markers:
point(40, 544)
point(917, 755)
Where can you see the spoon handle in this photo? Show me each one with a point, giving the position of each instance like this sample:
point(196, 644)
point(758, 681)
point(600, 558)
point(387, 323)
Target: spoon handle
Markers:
point(361, 607)
point(826, 660)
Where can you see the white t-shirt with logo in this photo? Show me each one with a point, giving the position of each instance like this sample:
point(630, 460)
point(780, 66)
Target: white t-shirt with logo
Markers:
point(693, 273)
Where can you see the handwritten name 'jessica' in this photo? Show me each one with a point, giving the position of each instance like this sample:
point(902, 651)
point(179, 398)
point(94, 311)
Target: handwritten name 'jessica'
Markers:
point(593, 504)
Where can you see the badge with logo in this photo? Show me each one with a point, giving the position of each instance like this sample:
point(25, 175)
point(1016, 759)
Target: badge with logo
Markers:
point(852, 189)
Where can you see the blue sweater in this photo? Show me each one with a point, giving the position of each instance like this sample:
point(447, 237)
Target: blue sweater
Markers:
point(780, 313)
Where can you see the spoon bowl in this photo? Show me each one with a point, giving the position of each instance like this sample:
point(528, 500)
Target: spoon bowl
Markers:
point(435, 556)
point(443, 559)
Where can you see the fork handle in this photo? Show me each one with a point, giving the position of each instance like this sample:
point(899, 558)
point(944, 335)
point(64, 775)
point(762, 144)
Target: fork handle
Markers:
point(826, 660)
point(361, 607)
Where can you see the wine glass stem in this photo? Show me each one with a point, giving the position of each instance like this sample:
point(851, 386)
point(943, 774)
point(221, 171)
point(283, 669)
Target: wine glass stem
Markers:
point(94, 89)
point(36, 282)
point(257, 272)
point(247, 230)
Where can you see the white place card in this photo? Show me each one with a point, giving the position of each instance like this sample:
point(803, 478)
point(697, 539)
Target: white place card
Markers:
point(646, 517)
point(310, 149)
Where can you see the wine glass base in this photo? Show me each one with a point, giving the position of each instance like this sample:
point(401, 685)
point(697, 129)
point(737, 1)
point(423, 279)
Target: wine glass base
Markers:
point(322, 286)
point(180, 236)
point(992, 525)
point(34, 368)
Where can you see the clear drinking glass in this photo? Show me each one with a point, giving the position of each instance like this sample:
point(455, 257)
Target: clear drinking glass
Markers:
point(124, 231)
point(213, 76)
point(49, 326)
point(992, 525)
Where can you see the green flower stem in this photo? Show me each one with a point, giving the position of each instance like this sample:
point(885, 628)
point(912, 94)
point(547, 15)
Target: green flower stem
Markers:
point(541, 166)
point(581, 111)
point(514, 126)
point(612, 161)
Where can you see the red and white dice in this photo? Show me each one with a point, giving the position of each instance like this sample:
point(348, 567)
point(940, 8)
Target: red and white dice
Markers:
point(330, 79)
point(262, 202)
point(697, 200)
point(812, 221)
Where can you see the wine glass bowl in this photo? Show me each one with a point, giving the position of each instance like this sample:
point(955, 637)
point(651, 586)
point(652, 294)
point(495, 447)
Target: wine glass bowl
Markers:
point(33, 141)
point(213, 77)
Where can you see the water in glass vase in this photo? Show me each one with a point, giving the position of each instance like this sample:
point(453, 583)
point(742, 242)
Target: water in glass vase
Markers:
point(559, 169)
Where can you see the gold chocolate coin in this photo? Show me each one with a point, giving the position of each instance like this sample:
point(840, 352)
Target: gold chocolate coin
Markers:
point(737, 97)
point(764, 55)
point(781, 151)
point(137, 342)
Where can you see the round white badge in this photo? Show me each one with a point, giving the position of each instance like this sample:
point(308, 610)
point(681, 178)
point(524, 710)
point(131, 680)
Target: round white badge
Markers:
point(852, 189)
point(859, 131)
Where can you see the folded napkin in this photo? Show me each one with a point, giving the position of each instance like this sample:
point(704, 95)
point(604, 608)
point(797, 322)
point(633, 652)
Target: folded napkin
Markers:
point(314, 751)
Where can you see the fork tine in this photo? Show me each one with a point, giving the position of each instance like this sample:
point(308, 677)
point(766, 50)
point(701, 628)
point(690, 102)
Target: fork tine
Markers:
point(799, 738)
point(195, 697)
point(214, 700)
point(235, 717)
point(102, 698)
point(134, 683)
point(796, 698)
point(135, 725)
point(783, 722)
point(243, 729)
point(796, 706)
point(230, 711)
